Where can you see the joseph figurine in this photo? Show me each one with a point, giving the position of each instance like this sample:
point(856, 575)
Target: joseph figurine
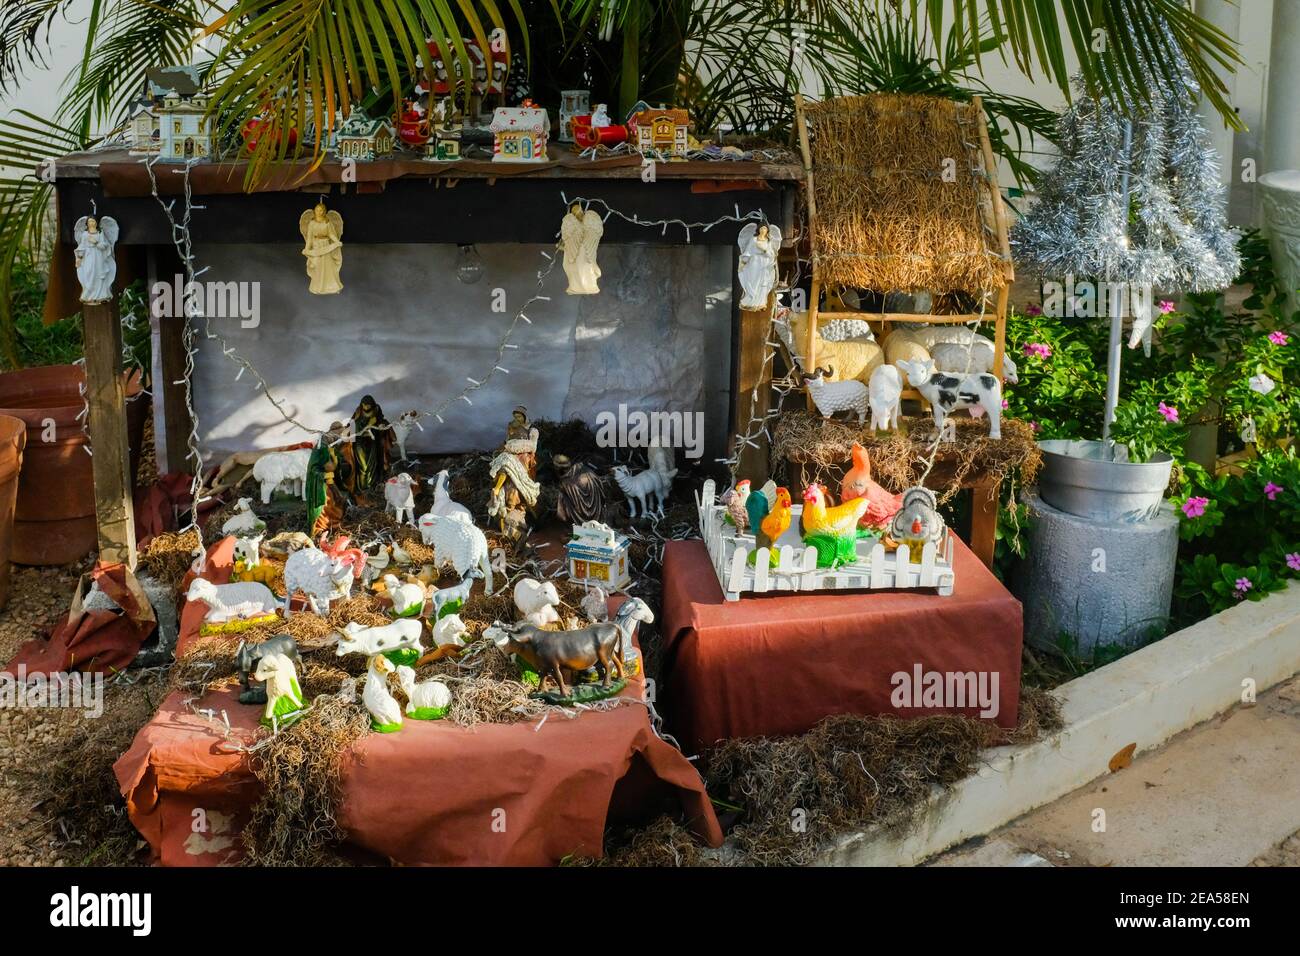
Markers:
point(329, 471)
point(372, 446)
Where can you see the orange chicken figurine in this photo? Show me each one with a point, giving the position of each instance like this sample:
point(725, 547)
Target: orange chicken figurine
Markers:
point(778, 519)
point(858, 483)
point(833, 531)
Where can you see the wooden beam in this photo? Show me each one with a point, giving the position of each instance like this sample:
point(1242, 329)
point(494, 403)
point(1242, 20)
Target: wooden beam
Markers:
point(106, 421)
point(984, 519)
point(171, 415)
point(752, 372)
point(995, 193)
point(815, 287)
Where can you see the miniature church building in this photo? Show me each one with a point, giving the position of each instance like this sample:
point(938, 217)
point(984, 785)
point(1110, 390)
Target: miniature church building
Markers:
point(363, 137)
point(520, 134)
point(169, 118)
point(661, 131)
point(183, 127)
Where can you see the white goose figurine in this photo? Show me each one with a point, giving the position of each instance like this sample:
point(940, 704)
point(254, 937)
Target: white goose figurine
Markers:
point(385, 712)
point(427, 700)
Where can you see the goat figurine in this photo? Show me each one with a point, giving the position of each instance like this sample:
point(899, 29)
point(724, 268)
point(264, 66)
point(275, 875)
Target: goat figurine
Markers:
point(399, 496)
point(883, 395)
point(832, 397)
point(947, 393)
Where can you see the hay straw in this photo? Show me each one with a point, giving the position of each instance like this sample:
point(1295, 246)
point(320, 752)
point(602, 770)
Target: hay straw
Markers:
point(886, 218)
point(169, 555)
point(821, 449)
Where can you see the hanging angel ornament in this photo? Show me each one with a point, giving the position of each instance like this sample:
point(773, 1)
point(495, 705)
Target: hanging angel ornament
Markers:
point(96, 268)
point(322, 235)
point(758, 243)
point(580, 233)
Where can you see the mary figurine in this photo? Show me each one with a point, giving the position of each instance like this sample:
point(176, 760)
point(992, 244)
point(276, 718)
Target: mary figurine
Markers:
point(758, 243)
point(96, 268)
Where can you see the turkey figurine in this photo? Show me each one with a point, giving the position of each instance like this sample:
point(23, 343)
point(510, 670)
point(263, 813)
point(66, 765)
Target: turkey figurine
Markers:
point(917, 522)
point(833, 531)
point(858, 483)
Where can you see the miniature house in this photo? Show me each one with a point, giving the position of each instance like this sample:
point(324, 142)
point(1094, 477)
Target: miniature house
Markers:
point(364, 137)
point(142, 131)
point(598, 555)
point(488, 76)
point(183, 128)
point(520, 134)
point(661, 131)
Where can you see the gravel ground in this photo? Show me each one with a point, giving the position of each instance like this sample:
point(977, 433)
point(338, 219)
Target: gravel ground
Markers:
point(39, 597)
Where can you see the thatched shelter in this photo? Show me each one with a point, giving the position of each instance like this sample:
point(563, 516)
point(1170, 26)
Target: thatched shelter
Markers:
point(903, 197)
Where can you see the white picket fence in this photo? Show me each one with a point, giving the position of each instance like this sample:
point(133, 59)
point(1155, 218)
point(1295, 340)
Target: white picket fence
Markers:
point(796, 568)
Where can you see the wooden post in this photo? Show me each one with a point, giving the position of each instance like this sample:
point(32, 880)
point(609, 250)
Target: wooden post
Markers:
point(171, 416)
point(106, 398)
point(752, 372)
point(984, 519)
point(815, 286)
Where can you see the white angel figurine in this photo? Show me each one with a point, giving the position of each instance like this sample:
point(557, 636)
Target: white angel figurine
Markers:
point(96, 268)
point(322, 235)
point(580, 234)
point(758, 243)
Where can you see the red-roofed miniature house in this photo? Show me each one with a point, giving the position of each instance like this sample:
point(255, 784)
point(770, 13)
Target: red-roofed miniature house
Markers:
point(520, 134)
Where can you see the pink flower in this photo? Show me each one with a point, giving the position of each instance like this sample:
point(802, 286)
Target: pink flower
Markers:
point(1040, 349)
point(1242, 585)
point(1033, 309)
point(1195, 506)
point(1271, 490)
point(1170, 413)
point(1035, 426)
point(1166, 306)
point(1005, 403)
point(1278, 338)
point(1293, 560)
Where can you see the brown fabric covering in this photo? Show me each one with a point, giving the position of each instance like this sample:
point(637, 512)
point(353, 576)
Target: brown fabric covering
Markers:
point(423, 795)
point(886, 218)
point(93, 641)
point(776, 665)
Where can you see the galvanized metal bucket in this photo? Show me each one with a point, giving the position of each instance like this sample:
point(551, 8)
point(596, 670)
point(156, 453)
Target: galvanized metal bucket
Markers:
point(1089, 479)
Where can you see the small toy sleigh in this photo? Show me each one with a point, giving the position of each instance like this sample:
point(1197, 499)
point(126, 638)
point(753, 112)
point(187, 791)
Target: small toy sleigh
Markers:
point(741, 567)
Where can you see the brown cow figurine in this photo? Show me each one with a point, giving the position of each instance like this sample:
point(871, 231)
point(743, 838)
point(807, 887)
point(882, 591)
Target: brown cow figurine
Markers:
point(551, 653)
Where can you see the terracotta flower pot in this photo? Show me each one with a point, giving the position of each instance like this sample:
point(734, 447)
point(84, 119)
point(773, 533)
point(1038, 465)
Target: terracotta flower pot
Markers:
point(54, 522)
point(13, 435)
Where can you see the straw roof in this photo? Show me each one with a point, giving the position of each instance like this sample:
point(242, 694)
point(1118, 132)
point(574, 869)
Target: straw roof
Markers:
point(902, 203)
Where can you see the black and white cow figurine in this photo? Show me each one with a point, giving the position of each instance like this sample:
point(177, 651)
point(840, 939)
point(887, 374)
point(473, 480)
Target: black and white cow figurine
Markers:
point(946, 393)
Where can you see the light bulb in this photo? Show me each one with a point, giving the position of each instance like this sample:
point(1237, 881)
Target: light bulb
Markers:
point(469, 265)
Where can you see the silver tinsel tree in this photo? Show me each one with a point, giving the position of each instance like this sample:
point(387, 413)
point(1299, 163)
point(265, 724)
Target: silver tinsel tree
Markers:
point(1171, 234)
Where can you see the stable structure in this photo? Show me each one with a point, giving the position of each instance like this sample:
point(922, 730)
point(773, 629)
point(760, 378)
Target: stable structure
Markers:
point(903, 197)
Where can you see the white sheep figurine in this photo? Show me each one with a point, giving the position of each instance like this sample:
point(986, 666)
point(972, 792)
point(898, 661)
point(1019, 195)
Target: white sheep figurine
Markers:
point(883, 395)
point(980, 392)
point(455, 540)
point(933, 336)
point(232, 602)
point(832, 397)
point(288, 468)
point(442, 503)
point(449, 630)
point(427, 700)
point(977, 356)
point(321, 578)
point(536, 601)
point(407, 598)
point(399, 497)
point(401, 635)
point(243, 521)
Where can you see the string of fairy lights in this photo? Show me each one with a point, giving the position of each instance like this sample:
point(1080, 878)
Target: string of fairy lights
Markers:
point(197, 322)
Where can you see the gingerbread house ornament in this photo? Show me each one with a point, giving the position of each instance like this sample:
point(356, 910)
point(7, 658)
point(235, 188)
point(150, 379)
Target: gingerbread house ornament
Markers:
point(520, 133)
point(663, 131)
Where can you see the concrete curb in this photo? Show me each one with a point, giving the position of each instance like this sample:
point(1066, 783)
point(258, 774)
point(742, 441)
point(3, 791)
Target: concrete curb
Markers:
point(1144, 698)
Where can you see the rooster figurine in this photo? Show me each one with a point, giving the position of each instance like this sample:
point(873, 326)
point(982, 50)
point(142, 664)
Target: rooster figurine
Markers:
point(858, 483)
point(917, 522)
point(833, 531)
point(735, 504)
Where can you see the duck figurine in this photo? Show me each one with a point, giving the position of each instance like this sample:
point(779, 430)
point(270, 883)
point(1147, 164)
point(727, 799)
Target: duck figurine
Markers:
point(917, 521)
